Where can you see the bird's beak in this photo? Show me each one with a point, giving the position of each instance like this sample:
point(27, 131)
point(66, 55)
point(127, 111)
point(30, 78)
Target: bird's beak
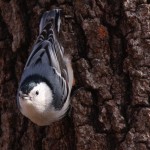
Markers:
point(23, 96)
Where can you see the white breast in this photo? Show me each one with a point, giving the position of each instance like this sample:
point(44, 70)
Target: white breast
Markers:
point(39, 109)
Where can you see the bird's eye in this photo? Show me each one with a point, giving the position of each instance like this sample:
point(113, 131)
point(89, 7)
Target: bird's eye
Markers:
point(37, 92)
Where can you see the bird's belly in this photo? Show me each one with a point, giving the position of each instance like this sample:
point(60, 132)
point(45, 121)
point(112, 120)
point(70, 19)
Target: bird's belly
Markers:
point(40, 118)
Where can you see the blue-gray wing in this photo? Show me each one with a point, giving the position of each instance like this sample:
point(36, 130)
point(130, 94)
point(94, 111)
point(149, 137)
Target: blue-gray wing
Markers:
point(47, 50)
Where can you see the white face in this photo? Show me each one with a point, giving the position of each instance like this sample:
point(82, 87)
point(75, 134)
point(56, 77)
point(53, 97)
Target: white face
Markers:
point(38, 100)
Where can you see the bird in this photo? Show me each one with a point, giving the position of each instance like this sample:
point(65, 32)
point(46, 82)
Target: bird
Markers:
point(43, 94)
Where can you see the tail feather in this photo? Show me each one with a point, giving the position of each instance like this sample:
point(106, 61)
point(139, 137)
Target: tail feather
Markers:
point(53, 15)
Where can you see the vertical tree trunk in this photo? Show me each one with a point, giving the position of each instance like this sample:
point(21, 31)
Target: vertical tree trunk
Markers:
point(108, 41)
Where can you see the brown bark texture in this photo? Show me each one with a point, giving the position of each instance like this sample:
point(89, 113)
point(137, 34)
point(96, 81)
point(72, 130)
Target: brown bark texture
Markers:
point(109, 43)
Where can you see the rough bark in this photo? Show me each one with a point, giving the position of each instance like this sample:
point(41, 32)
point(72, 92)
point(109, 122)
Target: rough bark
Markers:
point(108, 41)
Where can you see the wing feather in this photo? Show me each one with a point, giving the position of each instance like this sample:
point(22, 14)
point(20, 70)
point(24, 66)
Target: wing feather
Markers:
point(49, 51)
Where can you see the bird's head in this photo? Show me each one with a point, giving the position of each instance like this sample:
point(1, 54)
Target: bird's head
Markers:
point(36, 94)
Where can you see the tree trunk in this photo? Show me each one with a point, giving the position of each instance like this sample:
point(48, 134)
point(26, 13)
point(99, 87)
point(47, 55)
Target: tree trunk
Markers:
point(109, 43)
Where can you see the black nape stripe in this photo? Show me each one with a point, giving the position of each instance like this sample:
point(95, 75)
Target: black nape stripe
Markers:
point(31, 81)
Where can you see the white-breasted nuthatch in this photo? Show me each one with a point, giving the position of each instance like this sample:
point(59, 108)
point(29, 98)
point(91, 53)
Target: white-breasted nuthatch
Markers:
point(44, 90)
